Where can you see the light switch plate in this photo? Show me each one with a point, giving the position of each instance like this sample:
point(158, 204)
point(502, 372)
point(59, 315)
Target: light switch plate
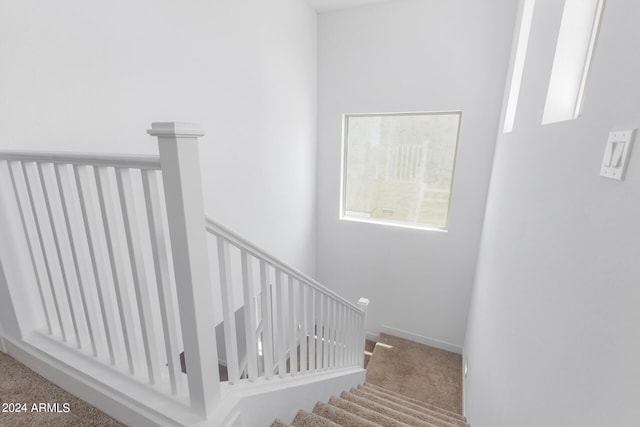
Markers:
point(616, 154)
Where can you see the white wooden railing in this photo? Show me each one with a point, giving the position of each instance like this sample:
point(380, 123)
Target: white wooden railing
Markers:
point(89, 222)
point(305, 326)
point(119, 252)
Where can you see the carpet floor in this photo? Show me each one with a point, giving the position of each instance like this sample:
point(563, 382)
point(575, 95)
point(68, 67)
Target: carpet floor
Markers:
point(21, 389)
point(418, 371)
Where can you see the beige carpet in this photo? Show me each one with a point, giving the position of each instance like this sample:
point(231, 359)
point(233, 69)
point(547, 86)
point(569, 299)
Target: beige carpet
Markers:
point(408, 385)
point(20, 385)
point(418, 371)
point(370, 406)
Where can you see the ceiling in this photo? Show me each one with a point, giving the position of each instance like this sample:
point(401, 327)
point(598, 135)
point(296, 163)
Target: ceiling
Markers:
point(327, 5)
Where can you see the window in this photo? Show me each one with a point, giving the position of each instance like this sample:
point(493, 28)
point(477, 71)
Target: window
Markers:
point(576, 42)
point(518, 63)
point(398, 168)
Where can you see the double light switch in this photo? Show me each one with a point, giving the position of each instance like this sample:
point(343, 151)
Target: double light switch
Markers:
point(616, 154)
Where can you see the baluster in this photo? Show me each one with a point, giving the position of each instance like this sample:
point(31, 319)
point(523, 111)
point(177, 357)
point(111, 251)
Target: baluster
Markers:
point(312, 329)
point(107, 210)
point(249, 316)
point(136, 261)
point(356, 345)
point(331, 359)
point(91, 222)
point(228, 309)
point(293, 320)
point(282, 331)
point(320, 345)
point(322, 302)
point(76, 265)
point(338, 334)
point(304, 335)
point(30, 247)
point(267, 329)
point(56, 242)
point(328, 330)
point(341, 335)
point(351, 338)
point(156, 221)
point(47, 264)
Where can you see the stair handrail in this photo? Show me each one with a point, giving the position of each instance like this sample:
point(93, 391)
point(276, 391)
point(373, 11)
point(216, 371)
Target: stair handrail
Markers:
point(139, 161)
point(227, 233)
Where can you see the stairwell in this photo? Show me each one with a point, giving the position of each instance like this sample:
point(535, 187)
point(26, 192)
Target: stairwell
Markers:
point(375, 405)
point(117, 278)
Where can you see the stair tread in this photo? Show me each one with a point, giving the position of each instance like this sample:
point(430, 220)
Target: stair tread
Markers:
point(376, 417)
point(307, 419)
point(374, 406)
point(415, 401)
point(341, 417)
point(401, 408)
point(429, 410)
point(371, 406)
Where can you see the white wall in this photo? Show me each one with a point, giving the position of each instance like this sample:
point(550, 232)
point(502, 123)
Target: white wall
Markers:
point(553, 329)
point(92, 76)
point(411, 56)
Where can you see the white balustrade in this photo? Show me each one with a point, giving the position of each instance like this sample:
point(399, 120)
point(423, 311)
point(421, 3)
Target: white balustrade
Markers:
point(83, 217)
point(303, 328)
point(118, 247)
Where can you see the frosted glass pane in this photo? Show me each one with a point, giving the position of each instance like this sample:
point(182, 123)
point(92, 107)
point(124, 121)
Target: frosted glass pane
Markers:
point(398, 168)
point(578, 30)
point(518, 64)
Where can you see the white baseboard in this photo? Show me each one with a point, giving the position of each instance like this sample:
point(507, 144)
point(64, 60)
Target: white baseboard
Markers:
point(432, 342)
point(372, 337)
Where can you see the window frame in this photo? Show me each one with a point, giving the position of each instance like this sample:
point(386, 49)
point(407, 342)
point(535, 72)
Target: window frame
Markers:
point(343, 170)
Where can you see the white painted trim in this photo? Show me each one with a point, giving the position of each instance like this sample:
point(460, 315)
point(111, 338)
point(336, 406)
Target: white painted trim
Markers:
point(182, 182)
point(464, 383)
point(3, 347)
point(442, 345)
point(176, 129)
point(372, 337)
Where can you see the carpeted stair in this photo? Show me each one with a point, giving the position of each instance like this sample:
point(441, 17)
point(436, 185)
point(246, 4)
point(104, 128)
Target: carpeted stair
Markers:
point(370, 405)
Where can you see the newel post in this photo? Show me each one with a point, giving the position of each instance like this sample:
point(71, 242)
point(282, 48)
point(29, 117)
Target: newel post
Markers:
point(180, 163)
point(363, 303)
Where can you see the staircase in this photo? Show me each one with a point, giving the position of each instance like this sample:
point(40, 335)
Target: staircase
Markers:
point(430, 380)
point(371, 405)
